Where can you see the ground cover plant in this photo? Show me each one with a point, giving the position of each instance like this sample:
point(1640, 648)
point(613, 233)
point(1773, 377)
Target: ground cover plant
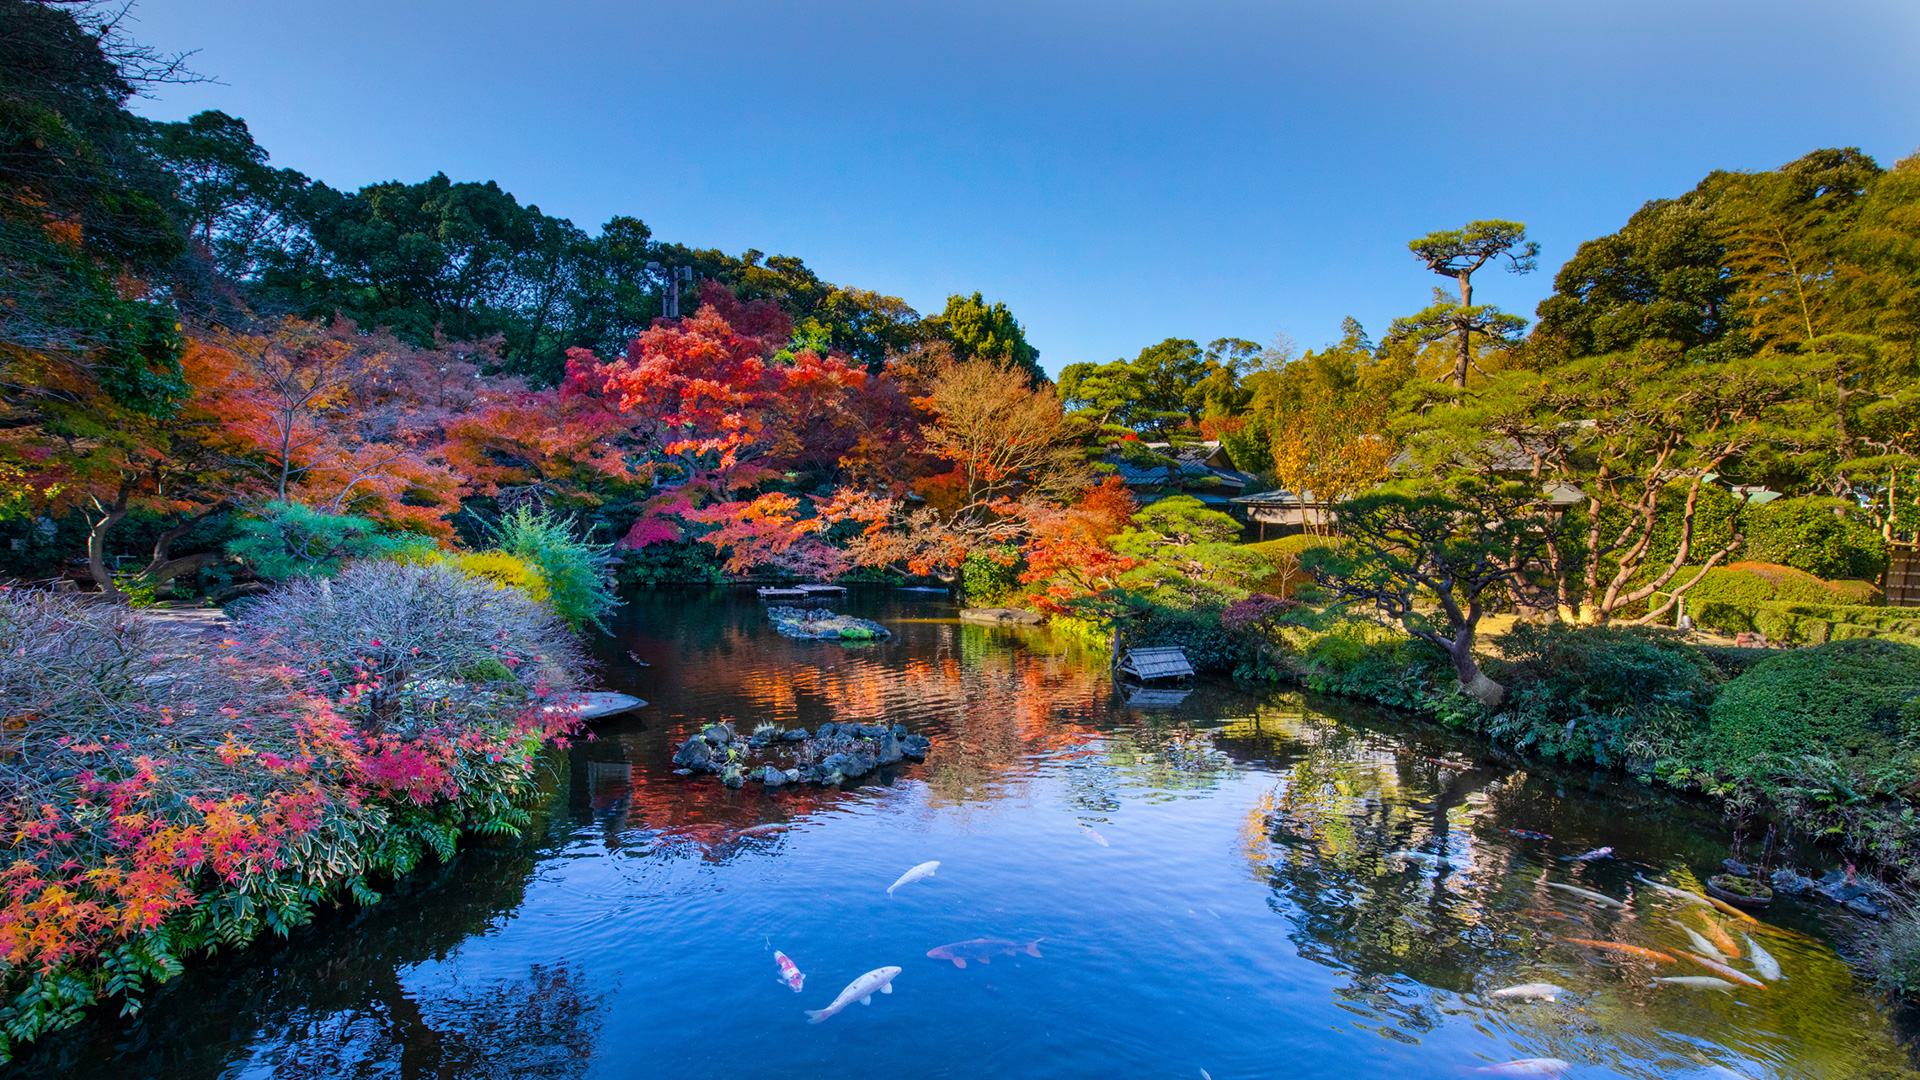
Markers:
point(161, 797)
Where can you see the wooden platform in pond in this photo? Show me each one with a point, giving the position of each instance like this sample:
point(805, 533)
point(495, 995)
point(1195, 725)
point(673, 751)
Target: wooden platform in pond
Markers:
point(1149, 665)
point(800, 592)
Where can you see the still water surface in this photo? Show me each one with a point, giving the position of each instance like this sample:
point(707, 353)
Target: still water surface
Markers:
point(1247, 915)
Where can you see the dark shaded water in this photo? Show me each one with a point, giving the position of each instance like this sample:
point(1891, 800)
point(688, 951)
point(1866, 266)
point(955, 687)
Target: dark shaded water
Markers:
point(1247, 915)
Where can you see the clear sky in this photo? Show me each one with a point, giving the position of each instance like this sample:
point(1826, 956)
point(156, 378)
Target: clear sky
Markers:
point(1117, 171)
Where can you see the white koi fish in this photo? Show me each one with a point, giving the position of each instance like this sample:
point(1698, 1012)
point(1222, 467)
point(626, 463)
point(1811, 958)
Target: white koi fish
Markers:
point(1094, 836)
point(924, 870)
point(1677, 894)
point(1530, 991)
point(1763, 961)
point(1697, 982)
point(1529, 1067)
point(1587, 894)
point(1700, 944)
point(860, 990)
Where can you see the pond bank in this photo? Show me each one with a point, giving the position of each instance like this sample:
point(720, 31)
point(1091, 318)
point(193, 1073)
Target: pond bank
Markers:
point(1261, 837)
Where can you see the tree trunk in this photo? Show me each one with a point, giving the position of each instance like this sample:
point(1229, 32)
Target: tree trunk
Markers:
point(1465, 357)
point(1473, 682)
point(164, 567)
point(97, 540)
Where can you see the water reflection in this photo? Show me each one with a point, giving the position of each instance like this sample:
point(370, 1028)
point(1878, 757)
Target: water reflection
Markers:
point(1256, 885)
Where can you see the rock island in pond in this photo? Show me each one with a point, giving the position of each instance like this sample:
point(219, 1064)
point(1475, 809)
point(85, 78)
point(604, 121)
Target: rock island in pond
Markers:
point(814, 625)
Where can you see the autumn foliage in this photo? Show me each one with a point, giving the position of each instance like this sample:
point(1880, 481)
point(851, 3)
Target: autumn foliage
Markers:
point(157, 800)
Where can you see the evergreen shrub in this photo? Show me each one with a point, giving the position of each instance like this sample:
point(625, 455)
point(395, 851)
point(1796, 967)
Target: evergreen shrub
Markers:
point(578, 574)
point(1848, 702)
point(1610, 695)
point(989, 578)
point(1819, 536)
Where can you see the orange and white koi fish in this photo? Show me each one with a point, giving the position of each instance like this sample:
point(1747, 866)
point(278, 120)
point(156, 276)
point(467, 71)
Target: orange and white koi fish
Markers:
point(1726, 972)
point(789, 973)
point(1634, 951)
point(1721, 939)
point(1700, 944)
point(1730, 909)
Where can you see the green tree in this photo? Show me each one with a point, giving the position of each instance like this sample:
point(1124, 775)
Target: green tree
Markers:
point(1626, 444)
point(1459, 254)
point(1432, 560)
point(977, 329)
point(1662, 277)
point(463, 260)
point(84, 211)
point(1189, 556)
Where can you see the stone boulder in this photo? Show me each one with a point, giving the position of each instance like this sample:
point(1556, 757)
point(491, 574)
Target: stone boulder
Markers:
point(694, 754)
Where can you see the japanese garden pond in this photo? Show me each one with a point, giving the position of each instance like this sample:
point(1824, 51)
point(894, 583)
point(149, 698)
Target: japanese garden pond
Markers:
point(1247, 882)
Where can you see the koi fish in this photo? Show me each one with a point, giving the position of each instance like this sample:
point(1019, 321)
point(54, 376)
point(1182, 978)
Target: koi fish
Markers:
point(1094, 836)
point(1721, 969)
point(1677, 894)
point(1427, 857)
point(1763, 961)
point(1586, 894)
point(1730, 909)
point(982, 949)
point(1721, 939)
point(1449, 764)
point(1700, 944)
point(1697, 982)
point(1528, 1067)
point(924, 870)
point(1596, 853)
point(1634, 951)
point(789, 973)
point(1530, 991)
point(1528, 834)
point(860, 990)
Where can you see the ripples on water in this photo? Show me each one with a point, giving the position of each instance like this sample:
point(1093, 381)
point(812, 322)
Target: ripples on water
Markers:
point(1248, 915)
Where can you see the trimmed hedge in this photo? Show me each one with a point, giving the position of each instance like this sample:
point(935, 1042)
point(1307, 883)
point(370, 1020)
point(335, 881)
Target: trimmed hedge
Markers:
point(1851, 702)
point(1793, 607)
point(1808, 624)
point(1820, 536)
point(1286, 552)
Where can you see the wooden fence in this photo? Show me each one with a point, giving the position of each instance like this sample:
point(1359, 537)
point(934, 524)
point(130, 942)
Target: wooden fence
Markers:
point(1903, 575)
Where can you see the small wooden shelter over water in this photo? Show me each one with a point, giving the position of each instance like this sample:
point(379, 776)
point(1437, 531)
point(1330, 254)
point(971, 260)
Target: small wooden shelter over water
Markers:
point(1155, 664)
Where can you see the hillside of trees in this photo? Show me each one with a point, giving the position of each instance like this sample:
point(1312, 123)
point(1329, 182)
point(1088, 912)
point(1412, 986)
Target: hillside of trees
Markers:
point(195, 342)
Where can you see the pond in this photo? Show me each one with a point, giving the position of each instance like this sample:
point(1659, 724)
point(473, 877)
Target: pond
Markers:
point(1238, 884)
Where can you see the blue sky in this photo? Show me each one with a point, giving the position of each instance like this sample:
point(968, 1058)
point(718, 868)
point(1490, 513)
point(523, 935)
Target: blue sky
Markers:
point(1118, 171)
